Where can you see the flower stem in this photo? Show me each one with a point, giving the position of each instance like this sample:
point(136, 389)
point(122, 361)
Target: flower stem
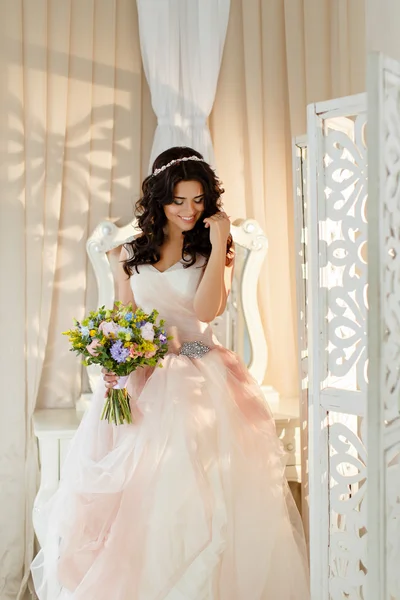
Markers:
point(117, 407)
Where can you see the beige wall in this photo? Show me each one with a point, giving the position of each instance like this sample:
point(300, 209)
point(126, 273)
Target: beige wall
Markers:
point(383, 27)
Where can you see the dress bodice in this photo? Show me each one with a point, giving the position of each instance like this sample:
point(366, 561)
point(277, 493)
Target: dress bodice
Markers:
point(172, 293)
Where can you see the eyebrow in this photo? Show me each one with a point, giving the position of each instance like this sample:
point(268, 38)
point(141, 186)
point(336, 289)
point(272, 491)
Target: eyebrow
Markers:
point(184, 198)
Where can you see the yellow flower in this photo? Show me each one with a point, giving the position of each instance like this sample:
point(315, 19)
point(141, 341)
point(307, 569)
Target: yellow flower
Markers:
point(92, 332)
point(147, 346)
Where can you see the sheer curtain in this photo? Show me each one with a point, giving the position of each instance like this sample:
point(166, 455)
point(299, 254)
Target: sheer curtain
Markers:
point(71, 122)
point(182, 42)
point(77, 129)
point(279, 57)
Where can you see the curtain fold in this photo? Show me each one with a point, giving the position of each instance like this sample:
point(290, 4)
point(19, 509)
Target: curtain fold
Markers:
point(182, 43)
point(160, 47)
point(202, 33)
point(71, 127)
point(279, 57)
point(13, 306)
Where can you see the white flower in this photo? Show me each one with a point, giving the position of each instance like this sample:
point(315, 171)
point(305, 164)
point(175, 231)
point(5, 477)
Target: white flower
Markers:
point(147, 331)
point(109, 328)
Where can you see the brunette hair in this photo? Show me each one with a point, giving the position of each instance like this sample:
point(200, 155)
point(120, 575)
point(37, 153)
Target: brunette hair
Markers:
point(157, 191)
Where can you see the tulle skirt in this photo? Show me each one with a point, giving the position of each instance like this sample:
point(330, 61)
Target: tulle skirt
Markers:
point(188, 503)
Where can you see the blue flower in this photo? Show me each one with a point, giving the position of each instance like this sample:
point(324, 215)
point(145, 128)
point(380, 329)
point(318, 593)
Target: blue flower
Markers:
point(91, 324)
point(125, 330)
point(129, 316)
point(118, 352)
point(162, 337)
point(84, 330)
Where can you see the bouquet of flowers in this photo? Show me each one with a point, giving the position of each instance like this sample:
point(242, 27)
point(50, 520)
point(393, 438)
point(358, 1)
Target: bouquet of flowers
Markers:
point(121, 340)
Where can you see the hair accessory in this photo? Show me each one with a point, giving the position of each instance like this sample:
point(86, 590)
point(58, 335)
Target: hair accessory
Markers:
point(176, 161)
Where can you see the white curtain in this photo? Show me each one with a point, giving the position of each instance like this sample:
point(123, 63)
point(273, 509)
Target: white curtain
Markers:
point(182, 44)
point(71, 128)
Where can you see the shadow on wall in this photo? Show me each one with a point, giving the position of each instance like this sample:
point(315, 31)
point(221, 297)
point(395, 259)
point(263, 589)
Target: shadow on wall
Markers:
point(69, 168)
point(77, 165)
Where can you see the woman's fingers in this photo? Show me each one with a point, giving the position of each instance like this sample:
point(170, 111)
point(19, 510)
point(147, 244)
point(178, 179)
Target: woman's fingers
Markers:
point(110, 384)
point(105, 372)
point(110, 380)
point(216, 217)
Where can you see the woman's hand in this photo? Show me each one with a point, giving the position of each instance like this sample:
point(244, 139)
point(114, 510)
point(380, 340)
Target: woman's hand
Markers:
point(110, 379)
point(220, 227)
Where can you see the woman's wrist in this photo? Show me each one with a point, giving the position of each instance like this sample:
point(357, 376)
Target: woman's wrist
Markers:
point(218, 252)
point(220, 244)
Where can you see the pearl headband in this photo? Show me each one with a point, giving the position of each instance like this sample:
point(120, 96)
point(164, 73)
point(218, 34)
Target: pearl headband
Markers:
point(176, 161)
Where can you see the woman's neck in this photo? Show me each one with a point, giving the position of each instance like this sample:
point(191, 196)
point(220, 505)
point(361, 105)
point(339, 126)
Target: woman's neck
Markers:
point(174, 237)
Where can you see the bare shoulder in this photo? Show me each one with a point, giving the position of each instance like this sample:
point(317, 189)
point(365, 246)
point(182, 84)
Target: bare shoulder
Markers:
point(124, 254)
point(124, 290)
point(127, 250)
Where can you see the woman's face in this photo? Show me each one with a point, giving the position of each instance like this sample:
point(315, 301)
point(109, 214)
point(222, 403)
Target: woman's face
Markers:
point(187, 205)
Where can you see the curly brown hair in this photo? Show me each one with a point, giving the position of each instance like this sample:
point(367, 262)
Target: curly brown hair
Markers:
point(157, 191)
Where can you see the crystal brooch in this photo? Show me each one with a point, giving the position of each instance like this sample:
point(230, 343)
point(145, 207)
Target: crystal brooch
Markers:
point(194, 349)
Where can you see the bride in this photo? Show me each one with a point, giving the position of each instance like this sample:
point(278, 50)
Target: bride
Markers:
point(190, 502)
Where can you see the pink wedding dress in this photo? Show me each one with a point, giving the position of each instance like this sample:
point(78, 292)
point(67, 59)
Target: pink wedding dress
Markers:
point(188, 503)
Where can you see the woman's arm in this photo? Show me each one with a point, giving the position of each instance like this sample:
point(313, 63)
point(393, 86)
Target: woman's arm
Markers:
point(124, 289)
point(213, 291)
point(125, 295)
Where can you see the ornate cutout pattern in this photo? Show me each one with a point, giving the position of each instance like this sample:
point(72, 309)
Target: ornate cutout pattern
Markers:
point(343, 229)
point(392, 488)
point(390, 216)
point(348, 518)
point(338, 289)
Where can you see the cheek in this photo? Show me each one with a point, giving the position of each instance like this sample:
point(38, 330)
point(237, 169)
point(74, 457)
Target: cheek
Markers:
point(171, 211)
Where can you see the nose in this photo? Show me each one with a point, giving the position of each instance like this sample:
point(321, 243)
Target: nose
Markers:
point(191, 208)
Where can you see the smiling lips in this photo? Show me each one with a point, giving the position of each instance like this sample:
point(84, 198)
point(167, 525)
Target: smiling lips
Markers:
point(188, 219)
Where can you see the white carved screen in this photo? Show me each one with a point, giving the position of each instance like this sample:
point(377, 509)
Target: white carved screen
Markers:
point(299, 154)
point(337, 346)
point(384, 329)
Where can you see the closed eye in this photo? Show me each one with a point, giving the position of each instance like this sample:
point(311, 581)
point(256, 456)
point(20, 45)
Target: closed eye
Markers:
point(179, 201)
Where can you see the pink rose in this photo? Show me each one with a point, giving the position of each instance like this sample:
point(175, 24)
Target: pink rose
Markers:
point(109, 328)
point(91, 348)
point(134, 352)
point(150, 353)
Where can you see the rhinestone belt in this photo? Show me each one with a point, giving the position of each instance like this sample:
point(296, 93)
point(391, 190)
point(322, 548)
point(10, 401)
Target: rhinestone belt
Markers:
point(194, 349)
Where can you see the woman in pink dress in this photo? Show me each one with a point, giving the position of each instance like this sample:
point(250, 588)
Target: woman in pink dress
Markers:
point(189, 502)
